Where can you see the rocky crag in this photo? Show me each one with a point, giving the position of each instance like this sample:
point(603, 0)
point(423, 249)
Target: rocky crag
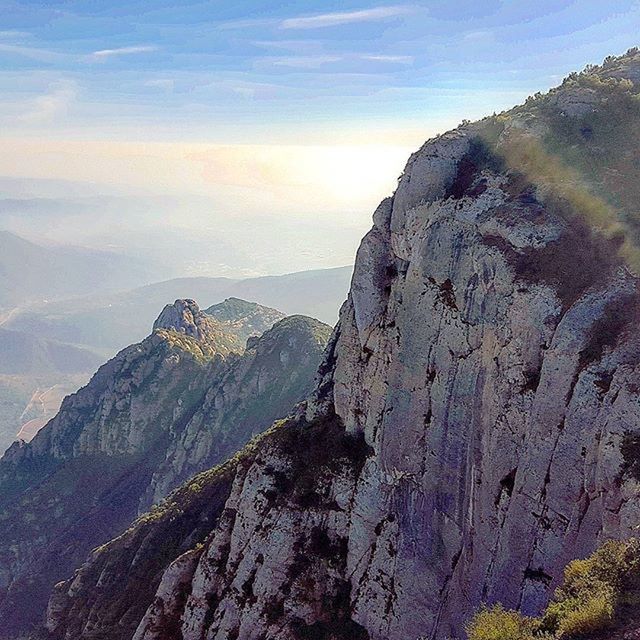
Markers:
point(184, 399)
point(476, 422)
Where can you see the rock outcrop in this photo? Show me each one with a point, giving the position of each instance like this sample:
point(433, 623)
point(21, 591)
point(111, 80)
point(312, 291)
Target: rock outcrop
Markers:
point(158, 413)
point(185, 317)
point(476, 419)
point(275, 372)
point(245, 319)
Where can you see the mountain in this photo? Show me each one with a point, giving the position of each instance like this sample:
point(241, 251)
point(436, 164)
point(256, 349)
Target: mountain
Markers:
point(28, 402)
point(24, 353)
point(476, 421)
point(185, 317)
point(109, 322)
point(162, 410)
point(317, 293)
point(245, 319)
point(31, 272)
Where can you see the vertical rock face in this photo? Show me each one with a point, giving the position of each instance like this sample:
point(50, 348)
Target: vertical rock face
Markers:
point(275, 372)
point(157, 414)
point(476, 420)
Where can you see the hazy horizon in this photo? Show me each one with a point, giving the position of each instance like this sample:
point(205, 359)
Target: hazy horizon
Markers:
point(254, 139)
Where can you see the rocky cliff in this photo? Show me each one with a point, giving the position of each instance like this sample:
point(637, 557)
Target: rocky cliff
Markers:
point(156, 414)
point(476, 420)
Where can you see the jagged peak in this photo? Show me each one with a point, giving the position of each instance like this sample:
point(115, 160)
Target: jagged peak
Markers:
point(185, 317)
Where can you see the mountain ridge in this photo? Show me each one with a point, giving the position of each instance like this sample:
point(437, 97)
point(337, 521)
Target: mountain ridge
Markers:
point(480, 393)
point(151, 417)
point(110, 322)
point(30, 272)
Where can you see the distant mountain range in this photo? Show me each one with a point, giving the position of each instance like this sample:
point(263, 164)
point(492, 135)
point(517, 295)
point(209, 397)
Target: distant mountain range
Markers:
point(27, 354)
point(176, 235)
point(35, 374)
point(64, 310)
point(108, 322)
point(30, 272)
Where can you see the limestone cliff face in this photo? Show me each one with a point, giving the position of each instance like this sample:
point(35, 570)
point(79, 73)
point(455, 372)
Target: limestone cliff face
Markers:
point(155, 415)
point(476, 420)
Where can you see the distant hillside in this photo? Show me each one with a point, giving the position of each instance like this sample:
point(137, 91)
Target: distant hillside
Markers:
point(30, 272)
point(319, 293)
point(35, 374)
point(244, 319)
point(26, 354)
point(109, 322)
point(28, 402)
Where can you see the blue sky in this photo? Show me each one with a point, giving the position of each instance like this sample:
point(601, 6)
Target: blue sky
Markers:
point(248, 70)
point(304, 111)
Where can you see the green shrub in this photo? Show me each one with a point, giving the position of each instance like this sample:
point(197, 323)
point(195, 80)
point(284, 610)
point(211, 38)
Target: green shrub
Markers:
point(498, 624)
point(592, 597)
point(588, 617)
point(586, 602)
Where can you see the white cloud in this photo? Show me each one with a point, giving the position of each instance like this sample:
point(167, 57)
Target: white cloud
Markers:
point(383, 58)
point(40, 55)
point(479, 36)
point(11, 34)
point(343, 17)
point(105, 54)
point(50, 106)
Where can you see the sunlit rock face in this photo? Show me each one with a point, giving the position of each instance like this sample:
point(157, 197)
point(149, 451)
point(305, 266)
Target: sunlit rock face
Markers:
point(476, 419)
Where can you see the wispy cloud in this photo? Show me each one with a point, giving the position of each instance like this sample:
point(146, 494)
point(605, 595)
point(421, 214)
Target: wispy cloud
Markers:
point(166, 84)
point(392, 59)
point(50, 106)
point(249, 23)
point(105, 54)
point(344, 17)
point(317, 61)
point(304, 62)
point(12, 34)
point(479, 36)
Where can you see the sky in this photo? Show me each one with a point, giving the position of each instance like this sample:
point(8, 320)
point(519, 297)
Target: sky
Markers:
point(300, 109)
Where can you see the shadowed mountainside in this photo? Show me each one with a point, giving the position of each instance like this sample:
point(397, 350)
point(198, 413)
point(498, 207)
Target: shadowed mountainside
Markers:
point(182, 400)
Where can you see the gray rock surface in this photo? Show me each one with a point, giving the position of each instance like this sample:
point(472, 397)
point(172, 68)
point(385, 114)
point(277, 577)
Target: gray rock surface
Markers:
point(474, 425)
point(186, 317)
point(157, 414)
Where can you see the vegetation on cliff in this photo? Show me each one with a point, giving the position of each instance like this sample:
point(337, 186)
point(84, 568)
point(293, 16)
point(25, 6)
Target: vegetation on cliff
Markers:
point(598, 594)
